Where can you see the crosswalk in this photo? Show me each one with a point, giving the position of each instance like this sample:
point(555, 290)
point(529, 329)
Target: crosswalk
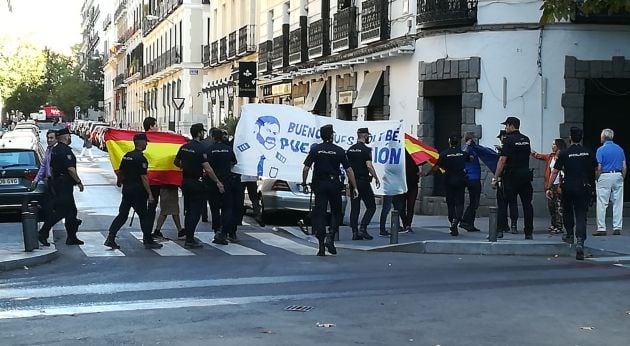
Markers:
point(250, 244)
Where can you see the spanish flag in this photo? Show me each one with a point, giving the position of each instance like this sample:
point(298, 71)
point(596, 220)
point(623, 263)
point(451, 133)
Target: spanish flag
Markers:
point(420, 152)
point(160, 153)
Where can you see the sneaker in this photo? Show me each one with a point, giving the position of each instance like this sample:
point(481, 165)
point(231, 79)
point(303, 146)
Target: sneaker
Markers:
point(74, 241)
point(365, 235)
point(469, 227)
point(403, 230)
point(453, 228)
point(600, 233)
point(384, 234)
point(192, 244)
point(579, 252)
point(408, 229)
point(181, 234)
point(499, 234)
point(152, 245)
point(617, 232)
point(112, 244)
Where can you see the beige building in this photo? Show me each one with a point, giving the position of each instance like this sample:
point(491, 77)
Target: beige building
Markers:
point(229, 44)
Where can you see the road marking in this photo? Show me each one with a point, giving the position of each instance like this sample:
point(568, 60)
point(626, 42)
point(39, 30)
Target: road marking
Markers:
point(283, 243)
point(155, 304)
point(610, 259)
point(94, 247)
point(169, 248)
point(235, 249)
point(621, 265)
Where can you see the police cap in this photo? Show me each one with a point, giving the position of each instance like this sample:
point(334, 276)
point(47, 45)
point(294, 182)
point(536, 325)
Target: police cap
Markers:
point(62, 132)
point(197, 128)
point(576, 131)
point(512, 121)
point(326, 131)
point(216, 133)
point(363, 130)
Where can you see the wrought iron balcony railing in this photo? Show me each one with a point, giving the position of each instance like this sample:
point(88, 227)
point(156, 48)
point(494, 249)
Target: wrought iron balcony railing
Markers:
point(205, 55)
point(246, 37)
point(446, 13)
point(232, 45)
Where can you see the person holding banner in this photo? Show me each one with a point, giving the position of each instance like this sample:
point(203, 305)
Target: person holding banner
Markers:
point(193, 161)
point(150, 125)
point(453, 161)
point(327, 186)
point(360, 158)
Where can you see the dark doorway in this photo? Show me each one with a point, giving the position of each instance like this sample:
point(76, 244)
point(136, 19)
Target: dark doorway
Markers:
point(376, 111)
point(344, 112)
point(607, 105)
point(446, 98)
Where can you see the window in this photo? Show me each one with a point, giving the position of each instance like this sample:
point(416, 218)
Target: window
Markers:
point(25, 158)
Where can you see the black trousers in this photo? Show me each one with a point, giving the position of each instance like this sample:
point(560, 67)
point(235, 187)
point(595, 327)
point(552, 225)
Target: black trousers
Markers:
point(229, 205)
point(366, 195)
point(474, 194)
point(194, 193)
point(455, 201)
point(135, 198)
point(214, 199)
point(523, 189)
point(327, 192)
point(151, 209)
point(502, 211)
point(575, 206)
point(252, 192)
point(63, 207)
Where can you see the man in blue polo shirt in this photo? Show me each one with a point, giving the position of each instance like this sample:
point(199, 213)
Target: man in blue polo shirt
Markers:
point(611, 173)
point(473, 184)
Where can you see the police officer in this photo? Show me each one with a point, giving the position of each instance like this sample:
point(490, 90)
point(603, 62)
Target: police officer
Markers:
point(502, 202)
point(136, 192)
point(360, 158)
point(514, 173)
point(453, 161)
point(578, 165)
point(221, 158)
point(193, 161)
point(327, 186)
point(64, 177)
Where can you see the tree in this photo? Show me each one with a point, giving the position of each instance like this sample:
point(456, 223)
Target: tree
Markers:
point(27, 99)
point(21, 64)
point(229, 124)
point(557, 10)
point(72, 91)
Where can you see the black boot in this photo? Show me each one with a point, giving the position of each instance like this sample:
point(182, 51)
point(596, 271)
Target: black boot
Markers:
point(330, 243)
point(43, 241)
point(453, 228)
point(149, 243)
point(220, 238)
point(356, 235)
point(73, 240)
point(514, 228)
point(364, 234)
point(322, 247)
point(232, 238)
point(111, 242)
point(579, 250)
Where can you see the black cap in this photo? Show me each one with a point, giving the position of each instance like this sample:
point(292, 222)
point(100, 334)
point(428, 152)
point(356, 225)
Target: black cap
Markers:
point(576, 131)
point(140, 137)
point(502, 133)
point(454, 138)
point(197, 128)
point(326, 131)
point(363, 130)
point(62, 132)
point(512, 121)
point(216, 133)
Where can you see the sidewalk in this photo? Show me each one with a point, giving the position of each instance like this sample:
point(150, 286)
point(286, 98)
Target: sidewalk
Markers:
point(431, 235)
point(12, 254)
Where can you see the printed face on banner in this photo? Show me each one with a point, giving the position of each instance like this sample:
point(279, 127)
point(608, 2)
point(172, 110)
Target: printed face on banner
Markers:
point(268, 129)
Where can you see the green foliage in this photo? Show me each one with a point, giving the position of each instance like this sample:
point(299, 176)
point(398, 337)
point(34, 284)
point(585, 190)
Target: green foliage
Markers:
point(27, 99)
point(21, 64)
point(72, 91)
point(558, 10)
point(229, 124)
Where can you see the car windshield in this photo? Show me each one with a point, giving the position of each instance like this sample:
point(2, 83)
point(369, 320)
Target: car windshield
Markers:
point(17, 158)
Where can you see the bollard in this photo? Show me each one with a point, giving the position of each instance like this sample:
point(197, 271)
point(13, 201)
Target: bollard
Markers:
point(29, 227)
point(393, 238)
point(492, 224)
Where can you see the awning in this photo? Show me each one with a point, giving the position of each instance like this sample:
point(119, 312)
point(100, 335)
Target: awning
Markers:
point(313, 95)
point(367, 89)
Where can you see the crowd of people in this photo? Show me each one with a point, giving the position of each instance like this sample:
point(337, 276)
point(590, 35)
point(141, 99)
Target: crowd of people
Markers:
point(574, 178)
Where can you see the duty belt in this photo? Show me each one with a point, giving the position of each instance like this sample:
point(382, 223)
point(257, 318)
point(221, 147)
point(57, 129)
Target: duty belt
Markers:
point(611, 172)
point(328, 176)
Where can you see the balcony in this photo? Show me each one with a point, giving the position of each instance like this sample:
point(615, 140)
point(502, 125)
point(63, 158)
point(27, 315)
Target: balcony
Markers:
point(297, 46)
point(246, 40)
point(264, 57)
point(277, 54)
point(621, 18)
point(222, 50)
point(374, 21)
point(214, 53)
point(162, 11)
point(161, 63)
point(205, 55)
point(318, 39)
point(119, 81)
point(120, 10)
point(107, 21)
point(446, 13)
point(345, 29)
point(232, 45)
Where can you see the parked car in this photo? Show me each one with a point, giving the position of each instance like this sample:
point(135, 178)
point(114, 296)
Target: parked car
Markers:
point(279, 195)
point(20, 158)
point(21, 134)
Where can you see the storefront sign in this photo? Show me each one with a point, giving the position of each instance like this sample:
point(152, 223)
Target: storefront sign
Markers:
point(247, 79)
point(345, 97)
point(281, 89)
point(298, 101)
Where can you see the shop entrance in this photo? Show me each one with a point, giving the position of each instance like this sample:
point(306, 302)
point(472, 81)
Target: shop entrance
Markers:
point(607, 105)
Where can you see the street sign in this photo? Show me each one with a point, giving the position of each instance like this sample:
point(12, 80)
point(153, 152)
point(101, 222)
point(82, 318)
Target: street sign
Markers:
point(77, 109)
point(178, 102)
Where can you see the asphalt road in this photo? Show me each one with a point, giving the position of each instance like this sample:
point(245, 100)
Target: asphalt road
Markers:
point(239, 297)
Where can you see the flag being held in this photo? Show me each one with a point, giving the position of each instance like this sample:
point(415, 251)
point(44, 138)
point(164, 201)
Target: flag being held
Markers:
point(420, 152)
point(161, 150)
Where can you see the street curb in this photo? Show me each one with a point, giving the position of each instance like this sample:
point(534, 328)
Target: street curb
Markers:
point(29, 261)
point(467, 247)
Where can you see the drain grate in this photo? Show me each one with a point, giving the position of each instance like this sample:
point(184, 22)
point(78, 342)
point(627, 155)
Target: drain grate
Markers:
point(299, 308)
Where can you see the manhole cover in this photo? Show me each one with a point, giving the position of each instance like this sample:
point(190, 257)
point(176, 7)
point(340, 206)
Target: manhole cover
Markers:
point(299, 308)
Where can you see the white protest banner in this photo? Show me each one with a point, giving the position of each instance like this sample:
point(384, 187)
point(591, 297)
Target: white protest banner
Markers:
point(272, 141)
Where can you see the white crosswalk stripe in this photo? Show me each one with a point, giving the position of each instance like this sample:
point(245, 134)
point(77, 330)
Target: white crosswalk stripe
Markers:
point(282, 243)
point(94, 247)
point(234, 249)
point(169, 248)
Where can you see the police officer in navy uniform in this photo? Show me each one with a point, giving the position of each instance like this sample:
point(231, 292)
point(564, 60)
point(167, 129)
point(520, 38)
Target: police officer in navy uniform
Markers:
point(579, 166)
point(453, 161)
point(221, 158)
point(514, 173)
point(193, 161)
point(360, 158)
point(136, 193)
point(327, 186)
point(64, 177)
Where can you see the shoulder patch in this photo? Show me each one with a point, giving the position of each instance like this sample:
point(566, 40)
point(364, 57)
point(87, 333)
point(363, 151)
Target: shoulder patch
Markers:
point(205, 156)
point(144, 165)
point(69, 156)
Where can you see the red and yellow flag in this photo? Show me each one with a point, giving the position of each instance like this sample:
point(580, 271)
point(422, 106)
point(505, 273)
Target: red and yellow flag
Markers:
point(160, 153)
point(421, 152)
